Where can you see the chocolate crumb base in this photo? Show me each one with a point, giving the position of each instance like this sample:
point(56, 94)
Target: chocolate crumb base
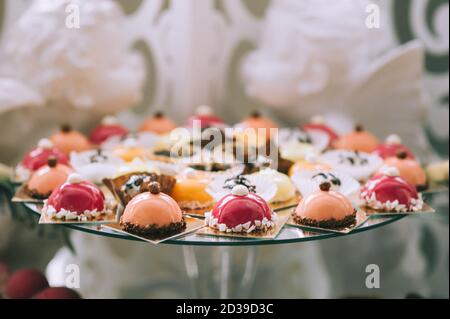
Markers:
point(348, 221)
point(34, 194)
point(153, 231)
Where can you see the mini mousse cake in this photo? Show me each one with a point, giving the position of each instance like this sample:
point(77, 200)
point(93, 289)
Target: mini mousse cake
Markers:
point(47, 178)
point(391, 147)
point(358, 140)
point(241, 212)
point(256, 122)
point(388, 192)
point(109, 127)
point(68, 140)
point(153, 214)
point(205, 117)
point(317, 123)
point(76, 200)
point(325, 208)
point(158, 124)
point(410, 170)
point(38, 157)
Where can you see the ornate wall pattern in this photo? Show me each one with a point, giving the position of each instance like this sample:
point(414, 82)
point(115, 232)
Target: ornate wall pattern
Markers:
point(193, 51)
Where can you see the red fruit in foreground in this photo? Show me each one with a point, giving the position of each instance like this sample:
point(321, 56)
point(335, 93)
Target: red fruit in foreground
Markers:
point(24, 284)
point(57, 293)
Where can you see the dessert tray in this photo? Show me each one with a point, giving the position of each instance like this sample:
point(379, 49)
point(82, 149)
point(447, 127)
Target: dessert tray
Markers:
point(209, 183)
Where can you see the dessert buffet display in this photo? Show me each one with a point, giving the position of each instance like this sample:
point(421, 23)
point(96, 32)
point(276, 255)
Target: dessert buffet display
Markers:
point(247, 181)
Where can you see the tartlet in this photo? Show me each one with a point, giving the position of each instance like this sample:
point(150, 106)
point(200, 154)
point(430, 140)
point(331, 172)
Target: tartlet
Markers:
point(325, 208)
point(153, 214)
point(190, 192)
point(241, 212)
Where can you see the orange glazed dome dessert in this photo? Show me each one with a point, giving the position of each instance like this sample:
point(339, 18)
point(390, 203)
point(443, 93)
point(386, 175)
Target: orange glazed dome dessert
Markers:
point(325, 208)
point(410, 170)
point(241, 212)
point(43, 181)
point(358, 140)
point(77, 200)
point(256, 121)
point(190, 190)
point(158, 124)
point(153, 214)
point(388, 192)
point(109, 127)
point(68, 140)
point(391, 147)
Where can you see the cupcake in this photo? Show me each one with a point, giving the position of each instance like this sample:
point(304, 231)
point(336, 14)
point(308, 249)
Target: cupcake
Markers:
point(325, 208)
point(153, 214)
point(285, 188)
point(389, 192)
point(358, 140)
point(310, 163)
point(317, 124)
point(410, 170)
point(38, 157)
point(241, 212)
point(158, 124)
point(190, 190)
point(47, 178)
point(68, 140)
point(358, 165)
point(259, 124)
point(95, 165)
point(76, 200)
point(108, 128)
point(205, 117)
point(392, 146)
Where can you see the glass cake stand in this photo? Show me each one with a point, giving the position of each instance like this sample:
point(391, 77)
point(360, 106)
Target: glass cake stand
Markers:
point(229, 282)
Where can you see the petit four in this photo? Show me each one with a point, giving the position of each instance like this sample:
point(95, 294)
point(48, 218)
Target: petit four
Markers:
point(241, 212)
point(153, 214)
point(317, 123)
point(76, 200)
point(158, 124)
point(258, 123)
point(205, 118)
point(358, 140)
point(68, 140)
point(95, 165)
point(130, 150)
point(310, 163)
point(389, 192)
point(38, 157)
point(438, 172)
point(392, 146)
point(47, 178)
point(325, 208)
point(127, 186)
point(108, 127)
point(190, 190)
point(410, 170)
point(285, 188)
point(358, 165)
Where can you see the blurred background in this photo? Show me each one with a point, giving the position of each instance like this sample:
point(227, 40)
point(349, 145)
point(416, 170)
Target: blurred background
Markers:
point(289, 59)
